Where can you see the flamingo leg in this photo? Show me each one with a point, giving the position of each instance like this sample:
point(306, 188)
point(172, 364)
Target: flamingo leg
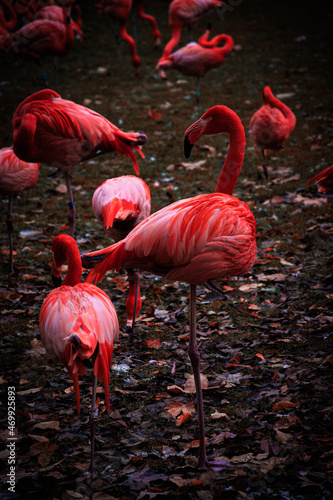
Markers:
point(71, 212)
point(197, 94)
point(10, 232)
point(93, 425)
point(195, 361)
point(132, 312)
point(264, 166)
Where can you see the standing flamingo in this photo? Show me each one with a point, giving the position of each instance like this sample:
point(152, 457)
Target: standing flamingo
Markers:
point(195, 59)
point(120, 10)
point(186, 13)
point(61, 133)
point(45, 38)
point(194, 240)
point(119, 205)
point(78, 322)
point(271, 125)
point(15, 176)
point(8, 21)
point(324, 180)
point(151, 20)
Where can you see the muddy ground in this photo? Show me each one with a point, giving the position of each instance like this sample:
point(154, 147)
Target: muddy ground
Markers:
point(266, 346)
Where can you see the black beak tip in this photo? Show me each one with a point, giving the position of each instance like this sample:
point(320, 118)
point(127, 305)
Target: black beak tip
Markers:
point(56, 281)
point(187, 147)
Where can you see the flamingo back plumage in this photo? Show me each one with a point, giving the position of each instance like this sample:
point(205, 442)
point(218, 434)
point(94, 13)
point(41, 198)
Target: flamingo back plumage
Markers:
point(15, 174)
point(73, 321)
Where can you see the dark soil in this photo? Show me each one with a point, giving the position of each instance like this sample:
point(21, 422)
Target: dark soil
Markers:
point(266, 347)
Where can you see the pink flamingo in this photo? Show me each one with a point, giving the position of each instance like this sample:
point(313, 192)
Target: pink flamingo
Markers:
point(78, 322)
point(120, 10)
point(271, 125)
point(15, 176)
point(61, 133)
point(8, 21)
point(194, 240)
point(151, 20)
point(119, 205)
point(324, 180)
point(186, 13)
point(55, 13)
point(195, 59)
point(45, 38)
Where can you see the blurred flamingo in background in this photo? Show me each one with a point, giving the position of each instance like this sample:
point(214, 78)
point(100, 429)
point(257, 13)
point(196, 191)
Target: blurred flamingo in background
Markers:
point(8, 21)
point(26, 9)
point(271, 125)
point(49, 129)
point(195, 59)
point(186, 13)
point(151, 20)
point(55, 13)
point(324, 180)
point(119, 205)
point(195, 240)
point(120, 10)
point(78, 322)
point(15, 176)
point(44, 38)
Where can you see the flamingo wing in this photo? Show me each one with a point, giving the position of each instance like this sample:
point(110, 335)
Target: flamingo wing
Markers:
point(194, 240)
point(73, 321)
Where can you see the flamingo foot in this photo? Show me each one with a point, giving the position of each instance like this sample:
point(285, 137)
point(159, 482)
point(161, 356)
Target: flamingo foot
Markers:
point(216, 465)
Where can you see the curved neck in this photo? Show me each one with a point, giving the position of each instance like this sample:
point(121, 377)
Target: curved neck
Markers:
point(176, 32)
point(273, 101)
point(64, 250)
point(8, 17)
point(214, 42)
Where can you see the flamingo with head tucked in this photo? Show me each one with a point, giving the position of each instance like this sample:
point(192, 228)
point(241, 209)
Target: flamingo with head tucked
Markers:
point(119, 205)
point(120, 10)
point(195, 59)
point(195, 240)
point(324, 180)
point(186, 13)
point(61, 133)
point(15, 176)
point(78, 322)
point(271, 125)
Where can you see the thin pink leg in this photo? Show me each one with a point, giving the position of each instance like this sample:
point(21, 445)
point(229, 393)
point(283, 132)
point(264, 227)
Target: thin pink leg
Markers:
point(93, 425)
point(195, 361)
point(71, 213)
point(10, 232)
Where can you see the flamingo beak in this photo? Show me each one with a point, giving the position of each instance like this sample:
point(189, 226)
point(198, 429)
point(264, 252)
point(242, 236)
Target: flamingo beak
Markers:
point(56, 280)
point(187, 147)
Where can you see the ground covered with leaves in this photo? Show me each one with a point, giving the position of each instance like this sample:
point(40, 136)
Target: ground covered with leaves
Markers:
point(265, 344)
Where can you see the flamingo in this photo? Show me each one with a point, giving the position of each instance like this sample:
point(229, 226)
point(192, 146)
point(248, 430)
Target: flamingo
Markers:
point(15, 176)
point(119, 205)
point(271, 125)
point(43, 38)
point(120, 10)
point(151, 20)
point(78, 322)
point(186, 13)
point(55, 13)
point(61, 133)
point(25, 9)
point(324, 180)
point(195, 59)
point(8, 21)
point(194, 240)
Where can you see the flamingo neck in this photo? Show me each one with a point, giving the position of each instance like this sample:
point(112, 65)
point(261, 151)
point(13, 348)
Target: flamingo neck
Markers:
point(65, 249)
point(176, 31)
point(274, 102)
point(234, 160)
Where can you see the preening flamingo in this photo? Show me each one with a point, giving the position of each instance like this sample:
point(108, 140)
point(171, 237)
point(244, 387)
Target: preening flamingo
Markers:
point(8, 21)
point(271, 125)
point(15, 176)
point(151, 20)
point(49, 129)
point(120, 10)
point(78, 322)
point(324, 180)
point(186, 13)
point(194, 240)
point(44, 38)
point(119, 205)
point(195, 59)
